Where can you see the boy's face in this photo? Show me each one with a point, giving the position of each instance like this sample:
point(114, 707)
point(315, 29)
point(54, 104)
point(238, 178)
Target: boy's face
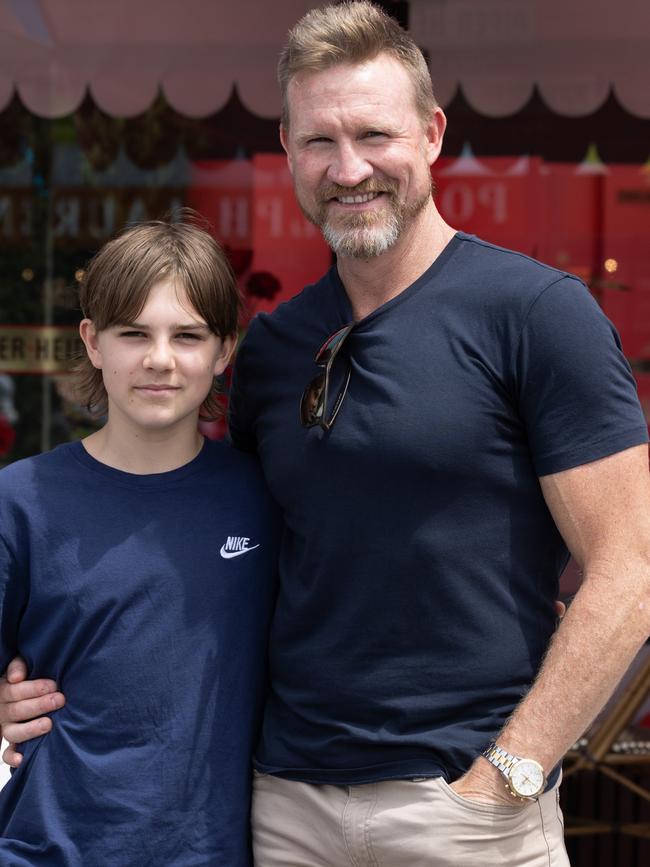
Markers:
point(158, 371)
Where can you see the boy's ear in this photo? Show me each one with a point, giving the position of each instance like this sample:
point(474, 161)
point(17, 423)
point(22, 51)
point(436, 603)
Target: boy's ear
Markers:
point(88, 334)
point(228, 346)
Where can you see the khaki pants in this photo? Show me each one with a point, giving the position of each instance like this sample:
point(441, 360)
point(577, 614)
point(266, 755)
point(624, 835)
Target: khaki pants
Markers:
point(399, 823)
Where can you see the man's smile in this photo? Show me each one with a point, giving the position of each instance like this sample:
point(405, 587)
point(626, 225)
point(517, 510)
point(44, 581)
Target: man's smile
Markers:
point(358, 199)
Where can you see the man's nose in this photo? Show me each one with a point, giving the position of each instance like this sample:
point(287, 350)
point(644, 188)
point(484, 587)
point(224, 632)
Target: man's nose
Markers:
point(349, 167)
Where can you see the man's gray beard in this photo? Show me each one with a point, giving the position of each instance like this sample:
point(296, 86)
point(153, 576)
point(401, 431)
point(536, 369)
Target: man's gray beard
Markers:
point(364, 240)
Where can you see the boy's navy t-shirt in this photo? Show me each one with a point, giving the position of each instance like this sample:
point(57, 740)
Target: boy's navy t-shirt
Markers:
point(420, 562)
point(147, 598)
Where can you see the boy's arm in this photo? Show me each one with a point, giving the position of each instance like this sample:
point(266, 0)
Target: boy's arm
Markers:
point(22, 702)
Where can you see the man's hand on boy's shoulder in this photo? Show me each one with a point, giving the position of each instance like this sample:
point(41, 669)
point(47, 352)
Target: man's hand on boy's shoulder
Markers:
point(22, 702)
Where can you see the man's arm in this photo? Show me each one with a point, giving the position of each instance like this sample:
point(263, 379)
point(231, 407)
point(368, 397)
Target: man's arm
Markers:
point(602, 510)
point(22, 699)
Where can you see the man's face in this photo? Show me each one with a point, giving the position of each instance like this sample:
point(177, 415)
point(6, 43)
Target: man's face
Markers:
point(360, 154)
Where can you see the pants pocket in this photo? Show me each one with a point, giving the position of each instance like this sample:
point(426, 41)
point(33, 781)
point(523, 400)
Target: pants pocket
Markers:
point(493, 834)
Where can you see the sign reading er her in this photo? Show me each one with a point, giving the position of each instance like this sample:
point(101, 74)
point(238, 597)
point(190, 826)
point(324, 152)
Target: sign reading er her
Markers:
point(39, 349)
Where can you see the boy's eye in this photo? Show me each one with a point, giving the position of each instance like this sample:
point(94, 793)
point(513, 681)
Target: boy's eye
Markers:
point(132, 333)
point(189, 335)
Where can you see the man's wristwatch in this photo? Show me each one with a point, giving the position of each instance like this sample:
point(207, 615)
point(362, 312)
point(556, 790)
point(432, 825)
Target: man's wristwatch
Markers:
point(524, 777)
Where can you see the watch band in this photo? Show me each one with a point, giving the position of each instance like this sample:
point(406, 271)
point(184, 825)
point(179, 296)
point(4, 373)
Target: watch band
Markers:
point(501, 759)
point(524, 778)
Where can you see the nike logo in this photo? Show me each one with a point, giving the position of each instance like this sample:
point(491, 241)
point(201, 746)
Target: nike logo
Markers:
point(235, 546)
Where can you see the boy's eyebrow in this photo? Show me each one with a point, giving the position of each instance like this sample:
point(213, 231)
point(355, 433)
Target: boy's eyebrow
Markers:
point(190, 326)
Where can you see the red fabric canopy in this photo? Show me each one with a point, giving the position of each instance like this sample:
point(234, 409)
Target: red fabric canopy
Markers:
point(51, 51)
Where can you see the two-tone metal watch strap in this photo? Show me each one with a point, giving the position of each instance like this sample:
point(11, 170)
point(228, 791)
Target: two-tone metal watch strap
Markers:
point(501, 759)
point(508, 765)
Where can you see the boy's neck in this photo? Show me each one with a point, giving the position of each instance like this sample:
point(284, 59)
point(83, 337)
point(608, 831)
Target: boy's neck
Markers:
point(159, 452)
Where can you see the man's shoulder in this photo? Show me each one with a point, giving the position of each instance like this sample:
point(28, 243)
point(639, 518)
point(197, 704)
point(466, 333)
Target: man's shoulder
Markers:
point(500, 267)
point(300, 308)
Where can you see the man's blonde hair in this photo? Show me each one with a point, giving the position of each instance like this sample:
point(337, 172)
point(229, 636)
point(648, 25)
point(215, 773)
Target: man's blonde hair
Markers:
point(118, 279)
point(352, 32)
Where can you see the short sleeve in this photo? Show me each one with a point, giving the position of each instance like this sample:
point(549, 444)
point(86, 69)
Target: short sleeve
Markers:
point(577, 395)
point(12, 593)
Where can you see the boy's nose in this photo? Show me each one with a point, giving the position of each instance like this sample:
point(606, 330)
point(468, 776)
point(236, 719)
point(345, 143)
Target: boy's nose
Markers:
point(160, 356)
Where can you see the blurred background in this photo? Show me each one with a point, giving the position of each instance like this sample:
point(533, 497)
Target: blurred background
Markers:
point(111, 113)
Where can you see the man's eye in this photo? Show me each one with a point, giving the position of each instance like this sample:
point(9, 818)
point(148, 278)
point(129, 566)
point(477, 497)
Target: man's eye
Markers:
point(318, 139)
point(373, 133)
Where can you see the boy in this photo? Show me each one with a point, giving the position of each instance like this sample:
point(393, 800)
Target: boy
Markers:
point(139, 552)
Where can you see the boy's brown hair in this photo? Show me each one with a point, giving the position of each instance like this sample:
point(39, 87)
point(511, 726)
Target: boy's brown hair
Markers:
point(118, 279)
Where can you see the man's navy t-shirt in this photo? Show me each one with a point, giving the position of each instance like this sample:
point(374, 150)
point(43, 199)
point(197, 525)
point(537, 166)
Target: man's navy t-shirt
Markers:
point(148, 599)
point(420, 563)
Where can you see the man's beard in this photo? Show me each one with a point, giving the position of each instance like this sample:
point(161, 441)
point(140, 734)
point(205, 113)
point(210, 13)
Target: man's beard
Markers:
point(365, 234)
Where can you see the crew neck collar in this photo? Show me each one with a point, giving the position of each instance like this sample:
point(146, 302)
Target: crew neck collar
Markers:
point(146, 480)
point(424, 279)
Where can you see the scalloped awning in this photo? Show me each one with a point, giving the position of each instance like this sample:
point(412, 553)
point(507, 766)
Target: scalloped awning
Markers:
point(123, 51)
point(52, 51)
point(575, 51)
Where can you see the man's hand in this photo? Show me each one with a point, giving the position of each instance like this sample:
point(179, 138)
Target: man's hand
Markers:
point(485, 784)
point(22, 702)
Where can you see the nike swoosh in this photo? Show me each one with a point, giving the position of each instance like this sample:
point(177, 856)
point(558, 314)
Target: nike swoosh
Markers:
point(228, 555)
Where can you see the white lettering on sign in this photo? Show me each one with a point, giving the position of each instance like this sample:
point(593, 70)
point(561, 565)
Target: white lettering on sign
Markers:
point(66, 215)
point(38, 348)
point(234, 217)
point(460, 201)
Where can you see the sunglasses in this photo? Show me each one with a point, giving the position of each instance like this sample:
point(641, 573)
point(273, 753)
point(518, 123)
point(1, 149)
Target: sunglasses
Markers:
point(314, 405)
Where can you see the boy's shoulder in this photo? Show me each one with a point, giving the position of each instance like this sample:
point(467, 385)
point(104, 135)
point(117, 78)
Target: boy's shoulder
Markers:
point(25, 469)
point(241, 472)
point(221, 455)
point(26, 485)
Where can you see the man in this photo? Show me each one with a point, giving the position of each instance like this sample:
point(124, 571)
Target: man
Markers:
point(468, 417)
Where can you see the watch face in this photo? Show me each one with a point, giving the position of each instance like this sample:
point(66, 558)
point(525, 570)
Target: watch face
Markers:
point(527, 778)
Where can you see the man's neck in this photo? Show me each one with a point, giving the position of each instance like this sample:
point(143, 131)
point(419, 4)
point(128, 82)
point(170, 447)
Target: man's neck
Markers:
point(369, 283)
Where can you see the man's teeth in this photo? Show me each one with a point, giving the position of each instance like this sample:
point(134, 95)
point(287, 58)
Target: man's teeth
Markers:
point(357, 200)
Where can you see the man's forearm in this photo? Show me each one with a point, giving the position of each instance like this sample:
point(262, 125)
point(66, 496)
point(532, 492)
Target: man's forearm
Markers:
point(602, 510)
point(597, 640)
point(603, 630)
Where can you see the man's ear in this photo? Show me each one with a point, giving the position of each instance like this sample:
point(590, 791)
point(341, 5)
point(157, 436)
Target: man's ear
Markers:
point(228, 346)
point(284, 141)
point(89, 336)
point(435, 131)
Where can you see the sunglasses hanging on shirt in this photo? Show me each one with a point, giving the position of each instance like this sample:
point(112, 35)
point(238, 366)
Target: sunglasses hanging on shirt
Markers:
point(315, 407)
